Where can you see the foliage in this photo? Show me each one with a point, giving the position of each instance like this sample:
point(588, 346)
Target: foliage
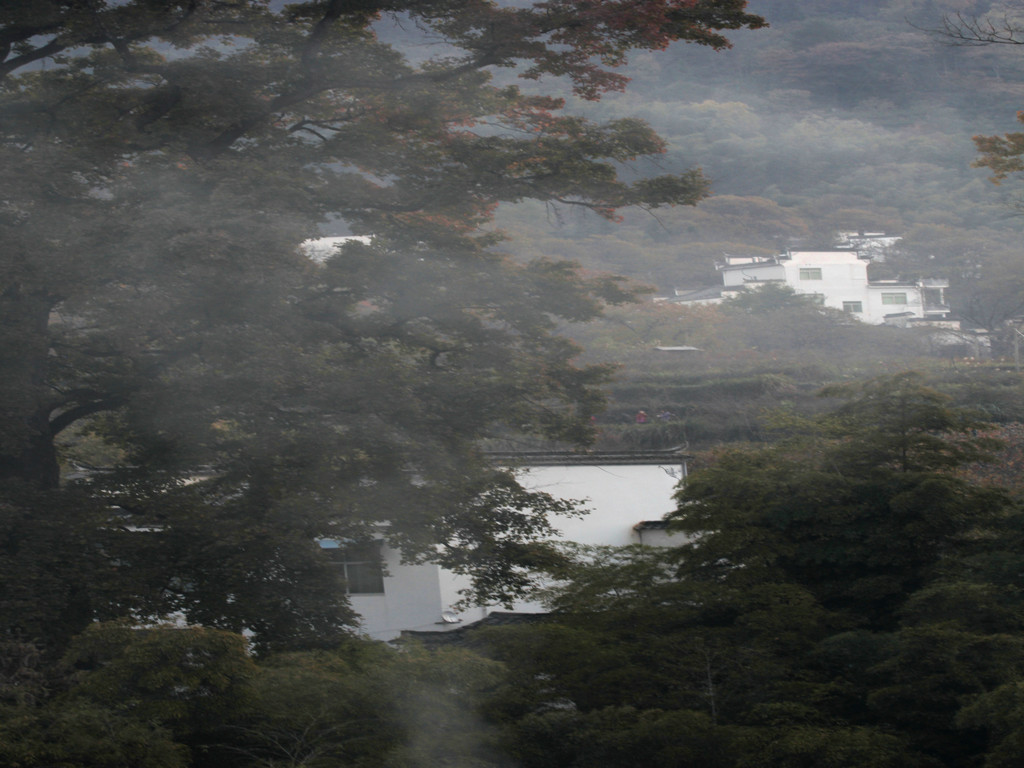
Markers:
point(621, 736)
point(182, 696)
point(80, 735)
point(745, 364)
point(899, 421)
point(162, 164)
point(839, 117)
point(768, 299)
point(865, 513)
point(824, 610)
point(819, 613)
point(187, 679)
point(1005, 471)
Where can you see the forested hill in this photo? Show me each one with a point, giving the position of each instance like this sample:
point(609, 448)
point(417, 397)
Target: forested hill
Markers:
point(840, 116)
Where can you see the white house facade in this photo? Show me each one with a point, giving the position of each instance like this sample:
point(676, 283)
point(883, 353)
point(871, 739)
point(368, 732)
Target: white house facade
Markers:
point(837, 279)
point(626, 496)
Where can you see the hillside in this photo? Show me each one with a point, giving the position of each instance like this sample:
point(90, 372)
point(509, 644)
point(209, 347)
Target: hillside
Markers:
point(841, 116)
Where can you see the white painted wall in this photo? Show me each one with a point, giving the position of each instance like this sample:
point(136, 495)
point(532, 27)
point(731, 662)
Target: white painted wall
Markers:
point(412, 599)
point(844, 278)
point(914, 305)
point(618, 497)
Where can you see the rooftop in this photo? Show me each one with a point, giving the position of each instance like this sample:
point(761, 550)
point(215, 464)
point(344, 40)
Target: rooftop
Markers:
point(590, 458)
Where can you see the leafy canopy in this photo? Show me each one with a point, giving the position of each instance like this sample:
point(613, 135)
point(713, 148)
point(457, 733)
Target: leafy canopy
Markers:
point(161, 164)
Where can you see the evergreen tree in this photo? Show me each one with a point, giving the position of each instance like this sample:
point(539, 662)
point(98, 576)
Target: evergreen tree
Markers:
point(863, 514)
point(844, 599)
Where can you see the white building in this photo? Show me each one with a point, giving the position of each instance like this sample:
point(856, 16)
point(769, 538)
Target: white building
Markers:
point(837, 279)
point(627, 496)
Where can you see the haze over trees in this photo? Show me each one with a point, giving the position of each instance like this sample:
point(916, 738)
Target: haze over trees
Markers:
point(161, 165)
point(850, 594)
point(846, 599)
point(838, 117)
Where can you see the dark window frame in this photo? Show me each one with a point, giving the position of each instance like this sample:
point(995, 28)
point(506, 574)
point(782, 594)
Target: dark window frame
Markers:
point(362, 566)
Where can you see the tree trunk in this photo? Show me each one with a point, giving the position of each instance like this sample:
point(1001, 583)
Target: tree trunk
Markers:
point(27, 450)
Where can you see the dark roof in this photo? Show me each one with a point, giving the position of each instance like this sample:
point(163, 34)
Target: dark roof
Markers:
point(460, 636)
point(651, 525)
point(697, 294)
point(591, 458)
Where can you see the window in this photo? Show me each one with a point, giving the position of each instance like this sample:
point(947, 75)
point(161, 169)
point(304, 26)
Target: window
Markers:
point(894, 298)
point(810, 273)
point(853, 306)
point(816, 298)
point(362, 566)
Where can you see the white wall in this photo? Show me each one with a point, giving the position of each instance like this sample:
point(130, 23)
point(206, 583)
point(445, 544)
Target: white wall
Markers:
point(412, 600)
point(878, 310)
point(618, 497)
point(844, 278)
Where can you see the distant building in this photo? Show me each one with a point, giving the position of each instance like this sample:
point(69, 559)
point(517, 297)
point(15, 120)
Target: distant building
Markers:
point(836, 279)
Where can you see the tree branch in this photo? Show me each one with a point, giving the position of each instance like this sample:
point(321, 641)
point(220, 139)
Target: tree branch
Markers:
point(65, 419)
point(42, 52)
point(964, 30)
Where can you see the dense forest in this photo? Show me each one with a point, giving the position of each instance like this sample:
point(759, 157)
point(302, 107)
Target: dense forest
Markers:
point(848, 597)
point(189, 404)
point(839, 116)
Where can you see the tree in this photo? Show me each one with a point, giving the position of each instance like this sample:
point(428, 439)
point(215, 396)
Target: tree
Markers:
point(162, 163)
point(1001, 154)
point(174, 696)
point(133, 697)
point(769, 298)
point(985, 285)
point(898, 422)
point(862, 515)
point(826, 610)
point(78, 735)
point(189, 679)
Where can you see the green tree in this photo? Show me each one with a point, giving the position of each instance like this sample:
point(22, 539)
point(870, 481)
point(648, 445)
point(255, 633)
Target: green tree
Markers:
point(82, 734)
point(1001, 713)
point(622, 736)
point(769, 298)
point(188, 679)
point(899, 422)
point(364, 704)
point(862, 516)
point(172, 696)
point(844, 599)
point(161, 165)
point(154, 698)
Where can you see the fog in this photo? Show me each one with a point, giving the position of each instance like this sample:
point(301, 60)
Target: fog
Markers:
point(276, 274)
